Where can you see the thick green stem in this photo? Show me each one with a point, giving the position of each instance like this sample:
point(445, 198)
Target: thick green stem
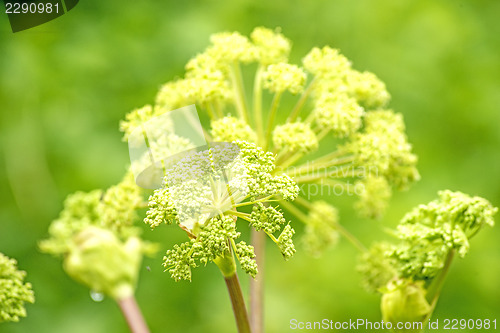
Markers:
point(257, 284)
point(227, 267)
point(133, 315)
point(239, 308)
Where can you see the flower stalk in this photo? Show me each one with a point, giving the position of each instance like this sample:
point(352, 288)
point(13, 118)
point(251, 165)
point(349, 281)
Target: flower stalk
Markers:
point(133, 315)
point(272, 116)
point(238, 303)
point(437, 284)
point(239, 90)
point(257, 104)
point(227, 267)
point(258, 239)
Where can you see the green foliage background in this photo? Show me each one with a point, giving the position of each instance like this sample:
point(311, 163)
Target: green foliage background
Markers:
point(65, 85)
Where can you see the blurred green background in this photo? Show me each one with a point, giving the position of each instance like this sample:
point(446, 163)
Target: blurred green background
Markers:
point(65, 85)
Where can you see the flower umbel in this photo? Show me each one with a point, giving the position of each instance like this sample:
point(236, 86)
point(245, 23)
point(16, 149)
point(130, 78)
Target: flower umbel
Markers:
point(14, 292)
point(95, 236)
point(411, 273)
point(207, 193)
point(336, 101)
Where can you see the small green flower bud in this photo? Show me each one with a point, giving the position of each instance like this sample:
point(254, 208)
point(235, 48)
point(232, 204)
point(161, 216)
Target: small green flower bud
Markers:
point(383, 148)
point(368, 90)
point(339, 113)
point(285, 242)
point(272, 46)
point(404, 301)
point(246, 255)
point(326, 63)
point(231, 47)
point(295, 137)
point(265, 218)
point(280, 77)
point(134, 119)
point(231, 129)
point(320, 230)
point(374, 194)
point(103, 263)
point(376, 268)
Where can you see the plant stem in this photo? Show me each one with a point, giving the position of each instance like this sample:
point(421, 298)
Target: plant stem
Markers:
point(322, 133)
point(289, 161)
point(239, 308)
point(345, 171)
point(133, 315)
point(257, 284)
point(241, 215)
point(325, 158)
point(434, 289)
point(239, 90)
point(227, 266)
point(308, 168)
point(210, 111)
point(257, 104)
point(340, 228)
point(350, 237)
point(272, 116)
point(300, 103)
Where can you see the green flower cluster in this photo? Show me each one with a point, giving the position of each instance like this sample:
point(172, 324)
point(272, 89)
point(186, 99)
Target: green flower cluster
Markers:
point(375, 267)
point(321, 228)
point(215, 239)
point(410, 273)
point(338, 113)
point(232, 129)
point(284, 77)
point(383, 149)
point(430, 231)
point(374, 194)
point(427, 235)
point(203, 192)
point(295, 137)
point(95, 236)
point(14, 292)
point(372, 152)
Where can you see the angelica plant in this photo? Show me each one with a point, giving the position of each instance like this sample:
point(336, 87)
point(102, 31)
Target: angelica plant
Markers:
point(336, 103)
point(411, 273)
point(14, 292)
point(370, 154)
point(100, 248)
